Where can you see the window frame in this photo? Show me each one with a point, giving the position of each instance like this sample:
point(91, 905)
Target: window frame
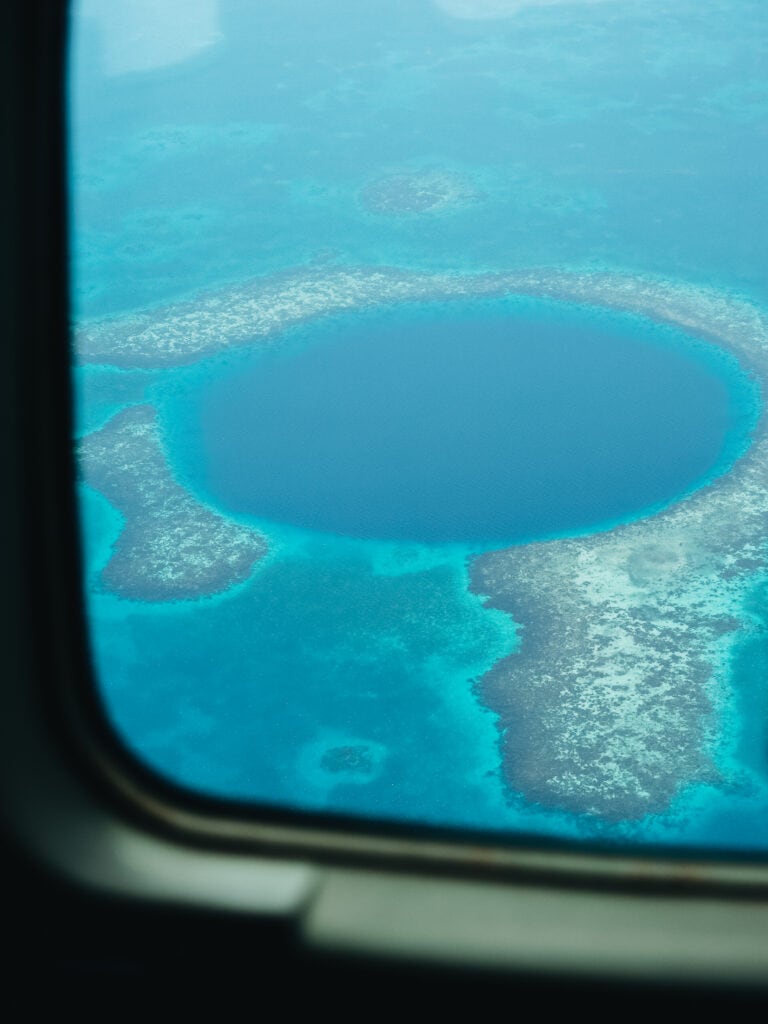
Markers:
point(78, 806)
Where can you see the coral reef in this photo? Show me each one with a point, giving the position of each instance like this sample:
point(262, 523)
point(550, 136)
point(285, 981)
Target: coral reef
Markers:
point(419, 192)
point(172, 547)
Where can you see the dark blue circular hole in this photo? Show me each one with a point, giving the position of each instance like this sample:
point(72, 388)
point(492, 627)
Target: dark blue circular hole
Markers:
point(481, 424)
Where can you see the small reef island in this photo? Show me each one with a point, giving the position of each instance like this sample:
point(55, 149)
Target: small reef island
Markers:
point(616, 697)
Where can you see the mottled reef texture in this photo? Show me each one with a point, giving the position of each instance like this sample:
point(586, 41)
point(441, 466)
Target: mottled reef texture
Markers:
point(617, 696)
point(171, 547)
point(259, 310)
point(357, 758)
point(615, 700)
point(418, 192)
point(253, 312)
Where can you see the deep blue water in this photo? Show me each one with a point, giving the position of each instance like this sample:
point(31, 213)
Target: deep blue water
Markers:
point(478, 423)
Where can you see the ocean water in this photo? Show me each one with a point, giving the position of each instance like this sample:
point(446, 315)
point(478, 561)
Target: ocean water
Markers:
point(378, 450)
point(483, 424)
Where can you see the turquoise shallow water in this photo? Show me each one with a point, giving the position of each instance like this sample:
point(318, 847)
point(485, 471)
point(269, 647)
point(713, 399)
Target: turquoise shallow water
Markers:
point(627, 142)
point(317, 652)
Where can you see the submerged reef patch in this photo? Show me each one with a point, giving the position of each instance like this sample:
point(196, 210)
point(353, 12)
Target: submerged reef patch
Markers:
point(172, 547)
point(618, 696)
point(356, 758)
point(434, 191)
point(335, 759)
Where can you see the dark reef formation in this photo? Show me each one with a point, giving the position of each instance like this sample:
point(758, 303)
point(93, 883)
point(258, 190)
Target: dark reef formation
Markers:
point(607, 706)
point(355, 758)
point(619, 695)
point(172, 547)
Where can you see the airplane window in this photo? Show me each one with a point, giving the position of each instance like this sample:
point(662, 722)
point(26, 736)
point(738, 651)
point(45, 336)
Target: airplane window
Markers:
point(420, 351)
